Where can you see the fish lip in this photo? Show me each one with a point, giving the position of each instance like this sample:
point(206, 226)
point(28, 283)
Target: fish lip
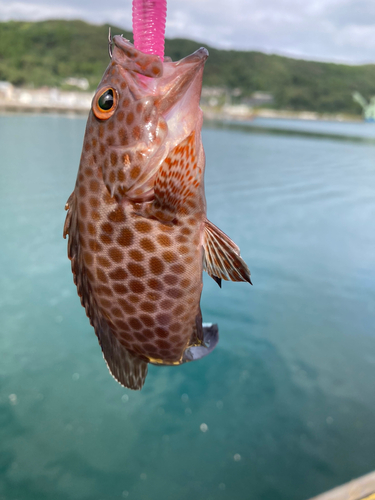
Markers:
point(121, 42)
point(125, 45)
point(199, 55)
point(126, 54)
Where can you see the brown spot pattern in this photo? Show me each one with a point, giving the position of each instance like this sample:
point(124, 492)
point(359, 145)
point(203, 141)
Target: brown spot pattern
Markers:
point(126, 237)
point(136, 255)
point(136, 270)
point(141, 271)
point(156, 266)
point(115, 254)
point(142, 226)
point(147, 245)
point(117, 215)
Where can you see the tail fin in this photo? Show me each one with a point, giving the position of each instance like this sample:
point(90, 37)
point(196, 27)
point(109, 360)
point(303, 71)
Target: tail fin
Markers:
point(210, 340)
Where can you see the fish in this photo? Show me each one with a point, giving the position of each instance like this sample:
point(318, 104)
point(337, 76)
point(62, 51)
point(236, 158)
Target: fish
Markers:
point(139, 238)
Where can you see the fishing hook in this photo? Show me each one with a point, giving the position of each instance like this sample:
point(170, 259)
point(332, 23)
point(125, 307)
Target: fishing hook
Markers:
point(110, 43)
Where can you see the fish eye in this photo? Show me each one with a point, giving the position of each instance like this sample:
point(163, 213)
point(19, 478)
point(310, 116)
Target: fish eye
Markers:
point(105, 103)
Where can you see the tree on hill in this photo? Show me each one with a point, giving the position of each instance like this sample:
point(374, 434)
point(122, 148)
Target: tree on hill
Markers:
point(48, 52)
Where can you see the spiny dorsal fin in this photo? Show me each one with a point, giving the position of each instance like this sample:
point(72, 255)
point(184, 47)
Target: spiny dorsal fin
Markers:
point(222, 257)
point(126, 368)
point(177, 179)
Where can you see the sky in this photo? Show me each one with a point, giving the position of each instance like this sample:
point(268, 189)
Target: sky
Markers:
point(325, 30)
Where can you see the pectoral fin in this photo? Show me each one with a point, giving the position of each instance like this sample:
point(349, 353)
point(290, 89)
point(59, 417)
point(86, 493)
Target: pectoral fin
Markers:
point(177, 179)
point(222, 258)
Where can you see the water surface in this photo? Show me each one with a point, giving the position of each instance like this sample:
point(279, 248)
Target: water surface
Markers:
point(288, 395)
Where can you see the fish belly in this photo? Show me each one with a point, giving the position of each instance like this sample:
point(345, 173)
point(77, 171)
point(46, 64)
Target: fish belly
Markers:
point(145, 275)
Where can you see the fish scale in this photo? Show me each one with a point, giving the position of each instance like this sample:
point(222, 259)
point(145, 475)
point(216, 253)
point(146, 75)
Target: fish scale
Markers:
point(138, 234)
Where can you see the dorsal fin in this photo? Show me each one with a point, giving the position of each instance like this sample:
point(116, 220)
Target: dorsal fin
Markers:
point(222, 258)
point(177, 179)
point(128, 369)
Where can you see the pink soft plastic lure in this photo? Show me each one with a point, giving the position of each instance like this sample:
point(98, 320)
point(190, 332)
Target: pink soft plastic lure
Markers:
point(149, 18)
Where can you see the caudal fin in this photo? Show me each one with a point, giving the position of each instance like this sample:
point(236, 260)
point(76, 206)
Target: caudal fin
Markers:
point(210, 340)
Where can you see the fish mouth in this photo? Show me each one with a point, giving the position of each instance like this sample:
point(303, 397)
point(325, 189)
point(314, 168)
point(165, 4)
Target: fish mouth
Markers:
point(125, 54)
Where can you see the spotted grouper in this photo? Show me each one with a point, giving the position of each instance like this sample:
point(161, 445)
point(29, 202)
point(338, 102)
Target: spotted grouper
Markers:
point(139, 238)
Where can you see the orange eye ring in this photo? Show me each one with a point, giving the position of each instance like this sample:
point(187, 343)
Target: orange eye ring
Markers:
point(104, 103)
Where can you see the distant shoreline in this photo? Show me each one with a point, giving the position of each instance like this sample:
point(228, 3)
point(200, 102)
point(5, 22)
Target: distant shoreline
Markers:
point(216, 106)
point(11, 108)
point(222, 115)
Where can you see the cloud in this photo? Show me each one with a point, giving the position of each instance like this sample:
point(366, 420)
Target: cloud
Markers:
point(35, 12)
point(352, 12)
point(336, 30)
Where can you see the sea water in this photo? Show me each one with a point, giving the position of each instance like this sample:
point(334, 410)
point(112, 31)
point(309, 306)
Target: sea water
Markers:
point(283, 409)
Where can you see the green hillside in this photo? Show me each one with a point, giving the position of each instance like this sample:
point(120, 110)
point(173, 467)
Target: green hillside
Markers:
point(45, 53)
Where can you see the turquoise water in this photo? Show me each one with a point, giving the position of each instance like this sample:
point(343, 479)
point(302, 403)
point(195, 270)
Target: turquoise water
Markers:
point(346, 129)
point(354, 131)
point(287, 397)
